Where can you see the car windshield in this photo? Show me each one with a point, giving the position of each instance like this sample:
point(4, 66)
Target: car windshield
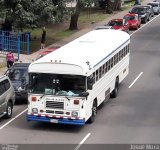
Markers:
point(138, 10)
point(17, 74)
point(130, 17)
point(57, 84)
point(115, 23)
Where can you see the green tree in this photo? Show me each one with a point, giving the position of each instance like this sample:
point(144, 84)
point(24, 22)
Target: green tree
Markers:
point(76, 12)
point(33, 13)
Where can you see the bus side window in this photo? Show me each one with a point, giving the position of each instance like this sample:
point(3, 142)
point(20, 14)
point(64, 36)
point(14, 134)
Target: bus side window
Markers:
point(94, 74)
point(106, 69)
point(100, 72)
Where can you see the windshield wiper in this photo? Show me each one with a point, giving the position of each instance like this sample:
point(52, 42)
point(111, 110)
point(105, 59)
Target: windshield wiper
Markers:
point(67, 98)
point(41, 97)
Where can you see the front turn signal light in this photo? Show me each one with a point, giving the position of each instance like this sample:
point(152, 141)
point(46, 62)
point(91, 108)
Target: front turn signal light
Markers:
point(34, 99)
point(76, 102)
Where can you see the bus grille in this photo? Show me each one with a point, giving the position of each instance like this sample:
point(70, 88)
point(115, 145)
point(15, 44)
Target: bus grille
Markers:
point(55, 104)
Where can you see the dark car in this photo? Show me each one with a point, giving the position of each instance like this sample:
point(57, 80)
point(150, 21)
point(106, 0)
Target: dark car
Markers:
point(142, 11)
point(19, 77)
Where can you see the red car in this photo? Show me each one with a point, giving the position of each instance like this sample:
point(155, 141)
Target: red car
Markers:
point(119, 24)
point(133, 20)
point(45, 52)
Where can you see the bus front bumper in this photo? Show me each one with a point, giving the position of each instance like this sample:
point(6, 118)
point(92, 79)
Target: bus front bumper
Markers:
point(56, 120)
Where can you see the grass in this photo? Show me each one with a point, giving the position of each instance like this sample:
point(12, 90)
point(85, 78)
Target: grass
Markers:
point(2, 62)
point(128, 4)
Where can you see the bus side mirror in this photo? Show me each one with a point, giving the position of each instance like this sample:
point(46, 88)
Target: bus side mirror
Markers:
point(85, 94)
point(90, 83)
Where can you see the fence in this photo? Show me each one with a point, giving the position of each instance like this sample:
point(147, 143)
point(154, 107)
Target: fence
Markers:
point(15, 42)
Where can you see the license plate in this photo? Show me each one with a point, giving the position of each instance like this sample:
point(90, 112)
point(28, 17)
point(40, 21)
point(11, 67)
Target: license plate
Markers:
point(54, 121)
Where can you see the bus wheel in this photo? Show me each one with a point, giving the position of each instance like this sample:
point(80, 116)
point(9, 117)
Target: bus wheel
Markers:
point(115, 91)
point(8, 110)
point(94, 112)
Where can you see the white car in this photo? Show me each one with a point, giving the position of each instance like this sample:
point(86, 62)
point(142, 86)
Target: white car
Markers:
point(156, 6)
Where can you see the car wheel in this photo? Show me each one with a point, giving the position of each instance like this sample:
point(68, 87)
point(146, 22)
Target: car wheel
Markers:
point(8, 110)
point(114, 93)
point(94, 113)
point(139, 26)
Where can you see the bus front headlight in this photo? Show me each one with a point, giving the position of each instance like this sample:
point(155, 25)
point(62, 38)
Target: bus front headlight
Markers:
point(74, 113)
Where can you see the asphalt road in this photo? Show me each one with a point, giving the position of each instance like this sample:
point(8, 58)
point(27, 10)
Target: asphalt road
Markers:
point(131, 118)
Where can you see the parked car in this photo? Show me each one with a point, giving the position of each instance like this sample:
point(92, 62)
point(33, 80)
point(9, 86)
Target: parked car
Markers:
point(142, 12)
point(19, 77)
point(150, 10)
point(7, 97)
point(103, 27)
point(119, 24)
point(156, 1)
point(45, 52)
point(134, 20)
point(156, 7)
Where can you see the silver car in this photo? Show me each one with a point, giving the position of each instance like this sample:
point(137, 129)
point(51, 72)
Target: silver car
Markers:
point(156, 7)
point(7, 97)
point(103, 27)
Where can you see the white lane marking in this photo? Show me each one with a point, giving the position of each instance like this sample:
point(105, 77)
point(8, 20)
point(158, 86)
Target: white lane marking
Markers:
point(85, 138)
point(13, 119)
point(145, 24)
point(135, 80)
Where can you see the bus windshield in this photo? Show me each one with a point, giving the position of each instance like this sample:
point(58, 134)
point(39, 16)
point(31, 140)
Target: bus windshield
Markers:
point(57, 84)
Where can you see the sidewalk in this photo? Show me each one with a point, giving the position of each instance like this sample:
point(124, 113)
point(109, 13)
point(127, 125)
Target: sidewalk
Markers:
point(29, 58)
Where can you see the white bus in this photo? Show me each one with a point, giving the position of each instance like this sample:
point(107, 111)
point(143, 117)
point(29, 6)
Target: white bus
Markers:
point(67, 85)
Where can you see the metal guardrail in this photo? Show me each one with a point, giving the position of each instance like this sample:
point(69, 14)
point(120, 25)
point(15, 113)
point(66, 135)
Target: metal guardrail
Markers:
point(15, 42)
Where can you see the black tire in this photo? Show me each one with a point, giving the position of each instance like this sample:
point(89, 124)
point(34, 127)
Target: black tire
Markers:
point(139, 26)
point(8, 110)
point(94, 113)
point(115, 91)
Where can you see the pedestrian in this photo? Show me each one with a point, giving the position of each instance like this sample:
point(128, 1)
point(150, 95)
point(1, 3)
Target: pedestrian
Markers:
point(43, 38)
point(137, 2)
point(9, 59)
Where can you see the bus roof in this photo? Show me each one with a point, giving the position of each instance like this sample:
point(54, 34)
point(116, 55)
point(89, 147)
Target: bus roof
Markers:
point(93, 47)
